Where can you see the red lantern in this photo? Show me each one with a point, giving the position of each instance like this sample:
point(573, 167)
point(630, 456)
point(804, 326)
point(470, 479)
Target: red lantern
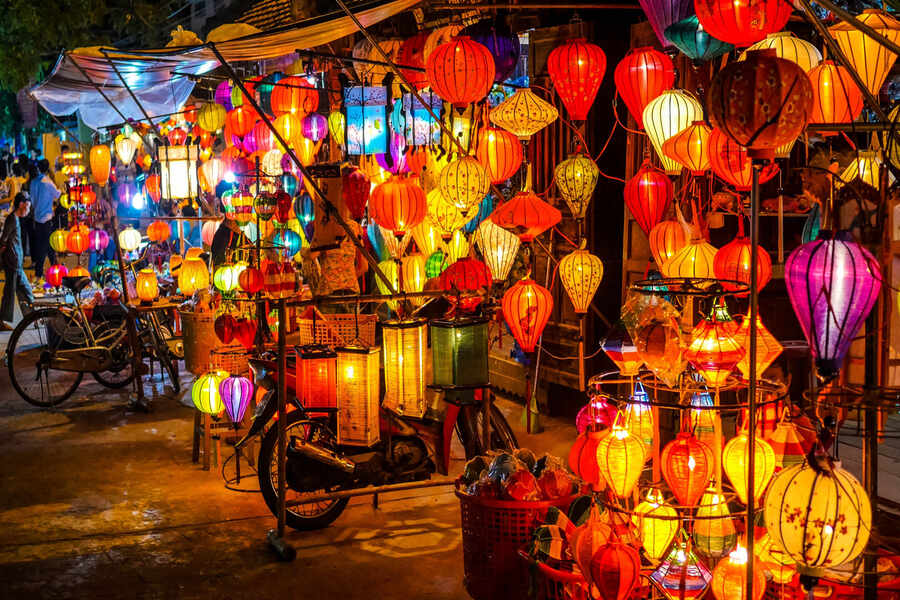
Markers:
point(250, 280)
point(690, 147)
point(648, 195)
point(615, 570)
point(55, 274)
point(761, 102)
point(464, 276)
point(271, 277)
point(284, 205)
point(640, 77)
point(82, 194)
point(398, 204)
point(526, 308)
point(158, 231)
point(416, 159)
point(77, 240)
point(742, 22)
point(500, 152)
point(687, 466)
point(576, 69)
point(294, 95)
point(177, 136)
point(316, 376)
point(583, 456)
point(836, 97)
point(412, 54)
point(355, 188)
point(151, 184)
point(732, 163)
point(189, 113)
point(713, 351)
point(733, 262)
point(224, 327)
point(263, 137)
point(241, 120)
point(526, 215)
point(460, 71)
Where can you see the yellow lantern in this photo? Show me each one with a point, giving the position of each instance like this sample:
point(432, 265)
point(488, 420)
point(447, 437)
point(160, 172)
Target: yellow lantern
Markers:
point(225, 278)
point(729, 578)
point(404, 345)
point(789, 47)
point(193, 252)
point(412, 269)
point(773, 560)
point(100, 163)
point(576, 178)
point(665, 116)
point(736, 460)
point(193, 276)
point(818, 514)
point(288, 126)
point(620, 458)
point(867, 168)
point(337, 127)
point(125, 149)
point(129, 239)
point(426, 236)
point(58, 240)
point(358, 390)
point(457, 247)
point(695, 260)
point(211, 117)
point(445, 217)
point(639, 415)
point(523, 114)
point(580, 273)
point(714, 532)
point(205, 392)
point(390, 270)
point(147, 286)
point(464, 183)
point(657, 523)
point(306, 149)
point(178, 172)
point(870, 59)
point(498, 247)
point(65, 201)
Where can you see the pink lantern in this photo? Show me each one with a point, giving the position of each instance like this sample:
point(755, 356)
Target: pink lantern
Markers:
point(314, 127)
point(235, 392)
point(98, 240)
point(208, 231)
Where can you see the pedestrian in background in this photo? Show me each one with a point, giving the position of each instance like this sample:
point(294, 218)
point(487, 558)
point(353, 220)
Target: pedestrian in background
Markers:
point(16, 283)
point(43, 195)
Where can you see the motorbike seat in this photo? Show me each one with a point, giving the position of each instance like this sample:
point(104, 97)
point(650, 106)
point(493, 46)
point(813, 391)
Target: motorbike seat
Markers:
point(76, 284)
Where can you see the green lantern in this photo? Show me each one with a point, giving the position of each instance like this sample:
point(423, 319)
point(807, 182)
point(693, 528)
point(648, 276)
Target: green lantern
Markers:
point(205, 392)
point(459, 351)
point(435, 264)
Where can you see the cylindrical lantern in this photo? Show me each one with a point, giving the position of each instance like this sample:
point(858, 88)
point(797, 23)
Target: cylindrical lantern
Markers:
point(193, 276)
point(526, 215)
point(398, 204)
point(729, 580)
point(358, 391)
point(833, 285)
point(500, 152)
point(460, 71)
point(742, 22)
point(498, 247)
point(316, 376)
point(736, 461)
point(147, 286)
point(581, 273)
point(129, 239)
point(870, 59)
point(690, 147)
point(657, 523)
point(695, 261)
point(687, 466)
point(621, 457)
point(178, 172)
point(640, 77)
point(235, 393)
point(526, 309)
point(100, 163)
point(403, 346)
point(714, 532)
point(789, 47)
point(205, 392)
point(648, 195)
point(523, 114)
point(459, 352)
point(464, 183)
point(576, 179)
point(576, 69)
point(666, 115)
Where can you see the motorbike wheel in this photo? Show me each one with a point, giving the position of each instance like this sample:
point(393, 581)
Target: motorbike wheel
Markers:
point(470, 428)
point(303, 517)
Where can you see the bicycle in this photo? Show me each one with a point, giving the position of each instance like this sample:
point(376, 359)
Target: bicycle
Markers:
point(52, 348)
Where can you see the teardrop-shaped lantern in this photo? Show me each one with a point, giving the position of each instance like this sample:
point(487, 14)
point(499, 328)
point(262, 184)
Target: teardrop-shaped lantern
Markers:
point(526, 309)
point(621, 457)
point(657, 523)
point(736, 464)
point(576, 69)
point(580, 273)
point(665, 116)
point(648, 195)
point(714, 533)
point(576, 179)
point(690, 147)
point(640, 77)
point(694, 260)
point(523, 114)
point(498, 247)
point(870, 59)
point(100, 163)
point(687, 466)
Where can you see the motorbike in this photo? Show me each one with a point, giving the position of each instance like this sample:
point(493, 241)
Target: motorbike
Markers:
point(410, 449)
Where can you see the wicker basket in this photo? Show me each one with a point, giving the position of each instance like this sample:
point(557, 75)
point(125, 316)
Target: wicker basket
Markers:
point(337, 329)
point(232, 359)
point(200, 340)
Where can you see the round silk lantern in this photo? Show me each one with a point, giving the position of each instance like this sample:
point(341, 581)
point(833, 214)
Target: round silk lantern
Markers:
point(523, 114)
point(666, 239)
point(657, 523)
point(58, 240)
point(294, 95)
point(733, 262)
point(731, 162)
point(695, 260)
point(665, 116)
point(713, 350)
point(729, 580)
point(526, 215)
point(598, 414)
point(98, 240)
point(241, 120)
point(621, 457)
point(500, 42)
point(615, 571)
point(445, 218)
point(580, 273)
point(500, 152)
point(789, 47)
point(460, 71)
point(687, 466)
point(526, 309)
point(871, 60)
point(412, 54)
point(742, 22)
point(466, 275)
point(576, 179)
point(398, 204)
point(736, 461)
point(836, 97)
point(648, 195)
point(314, 127)
point(100, 163)
point(77, 240)
point(193, 276)
point(583, 456)
point(695, 42)
point(499, 248)
point(690, 148)
point(159, 231)
point(576, 69)
point(640, 77)
point(235, 393)
point(714, 532)
point(762, 102)
point(55, 274)
point(205, 392)
point(251, 280)
point(225, 279)
point(833, 285)
point(289, 127)
point(464, 183)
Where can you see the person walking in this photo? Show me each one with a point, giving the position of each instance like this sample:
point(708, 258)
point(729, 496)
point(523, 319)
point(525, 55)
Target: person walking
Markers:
point(16, 283)
point(43, 194)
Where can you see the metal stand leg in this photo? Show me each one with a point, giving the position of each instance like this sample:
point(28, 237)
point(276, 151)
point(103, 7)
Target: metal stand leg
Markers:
point(285, 551)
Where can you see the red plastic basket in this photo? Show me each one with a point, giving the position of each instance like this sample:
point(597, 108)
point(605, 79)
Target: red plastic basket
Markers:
point(493, 532)
point(561, 585)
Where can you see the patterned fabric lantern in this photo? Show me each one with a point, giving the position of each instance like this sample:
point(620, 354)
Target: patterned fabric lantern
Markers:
point(583, 456)
point(500, 152)
point(98, 240)
point(729, 579)
point(641, 76)
point(731, 162)
point(523, 114)
point(211, 117)
point(55, 274)
point(689, 36)
point(526, 215)
point(742, 23)
point(526, 309)
point(767, 347)
point(159, 231)
point(736, 460)
point(581, 273)
point(205, 392)
point(621, 457)
point(100, 163)
point(694, 260)
point(665, 116)
point(733, 262)
point(129, 239)
point(58, 240)
point(681, 575)
point(576, 69)
point(789, 47)
point(576, 179)
point(714, 533)
point(620, 349)
point(657, 523)
point(687, 466)
point(445, 217)
point(398, 204)
point(761, 102)
point(666, 239)
point(713, 351)
point(193, 276)
point(870, 59)
point(404, 366)
point(690, 147)
point(648, 195)
point(294, 95)
point(833, 285)
point(499, 248)
point(774, 562)
point(615, 571)
point(461, 71)
point(464, 183)
point(235, 393)
point(829, 498)
point(500, 42)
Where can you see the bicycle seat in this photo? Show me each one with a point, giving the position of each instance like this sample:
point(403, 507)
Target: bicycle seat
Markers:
point(76, 284)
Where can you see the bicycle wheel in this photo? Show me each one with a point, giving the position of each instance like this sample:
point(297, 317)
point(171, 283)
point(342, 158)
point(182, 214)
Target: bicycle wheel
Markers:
point(120, 373)
point(32, 345)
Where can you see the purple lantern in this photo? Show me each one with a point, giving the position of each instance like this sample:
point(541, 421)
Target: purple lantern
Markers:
point(314, 127)
point(502, 43)
point(395, 162)
point(662, 13)
point(223, 94)
point(98, 240)
point(236, 392)
point(248, 143)
point(833, 283)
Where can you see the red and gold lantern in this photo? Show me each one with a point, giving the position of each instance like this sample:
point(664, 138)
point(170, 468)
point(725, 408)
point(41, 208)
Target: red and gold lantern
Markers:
point(460, 71)
point(576, 69)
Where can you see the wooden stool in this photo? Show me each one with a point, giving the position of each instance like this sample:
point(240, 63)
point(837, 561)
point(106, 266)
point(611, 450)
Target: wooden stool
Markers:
point(209, 434)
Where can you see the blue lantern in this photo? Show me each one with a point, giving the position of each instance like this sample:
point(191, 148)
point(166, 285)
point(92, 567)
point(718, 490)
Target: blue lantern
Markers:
point(377, 240)
point(305, 209)
point(367, 121)
point(289, 242)
point(485, 209)
point(412, 119)
point(289, 183)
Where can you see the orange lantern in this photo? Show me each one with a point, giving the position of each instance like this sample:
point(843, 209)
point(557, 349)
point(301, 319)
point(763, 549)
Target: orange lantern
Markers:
point(100, 163)
point(460, 71)
point(398, 204)
point(294, 95)
point(77, 239)
point(836, 97)
point(263, 137)
point(241, 120)
point(690, 147)
point(729, 578)
point(82, 194)
point(151, 184)
point(526, 309)
point(687, 466)
point(193, 276)
point(733, 262)
point(767, 347)
point(316, 376)
point(640, 77)
point(713, 351)
point(666, 239)
point(159, 231)
point(583, 456)
point(79, 271)
point(871, 60)
point(305, 149)
point(615, 570)
point(251, 280)
point(576, 69)
point(500, 152)
point(526, 215)
point(736, 464)
point(731, 162)
point(694, 260)
point(648, 195)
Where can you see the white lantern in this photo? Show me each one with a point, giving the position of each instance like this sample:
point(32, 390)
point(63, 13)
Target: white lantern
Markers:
point(178, 172)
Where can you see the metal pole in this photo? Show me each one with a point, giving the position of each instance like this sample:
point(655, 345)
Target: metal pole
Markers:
point(845, 16)
point(97, 87)
point(488, 6)
point(131, 93)
point(307, 176)
point(276, 538)
point(751, 401)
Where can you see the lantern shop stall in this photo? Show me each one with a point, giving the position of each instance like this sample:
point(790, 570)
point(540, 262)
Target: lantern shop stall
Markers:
point(389, 228)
